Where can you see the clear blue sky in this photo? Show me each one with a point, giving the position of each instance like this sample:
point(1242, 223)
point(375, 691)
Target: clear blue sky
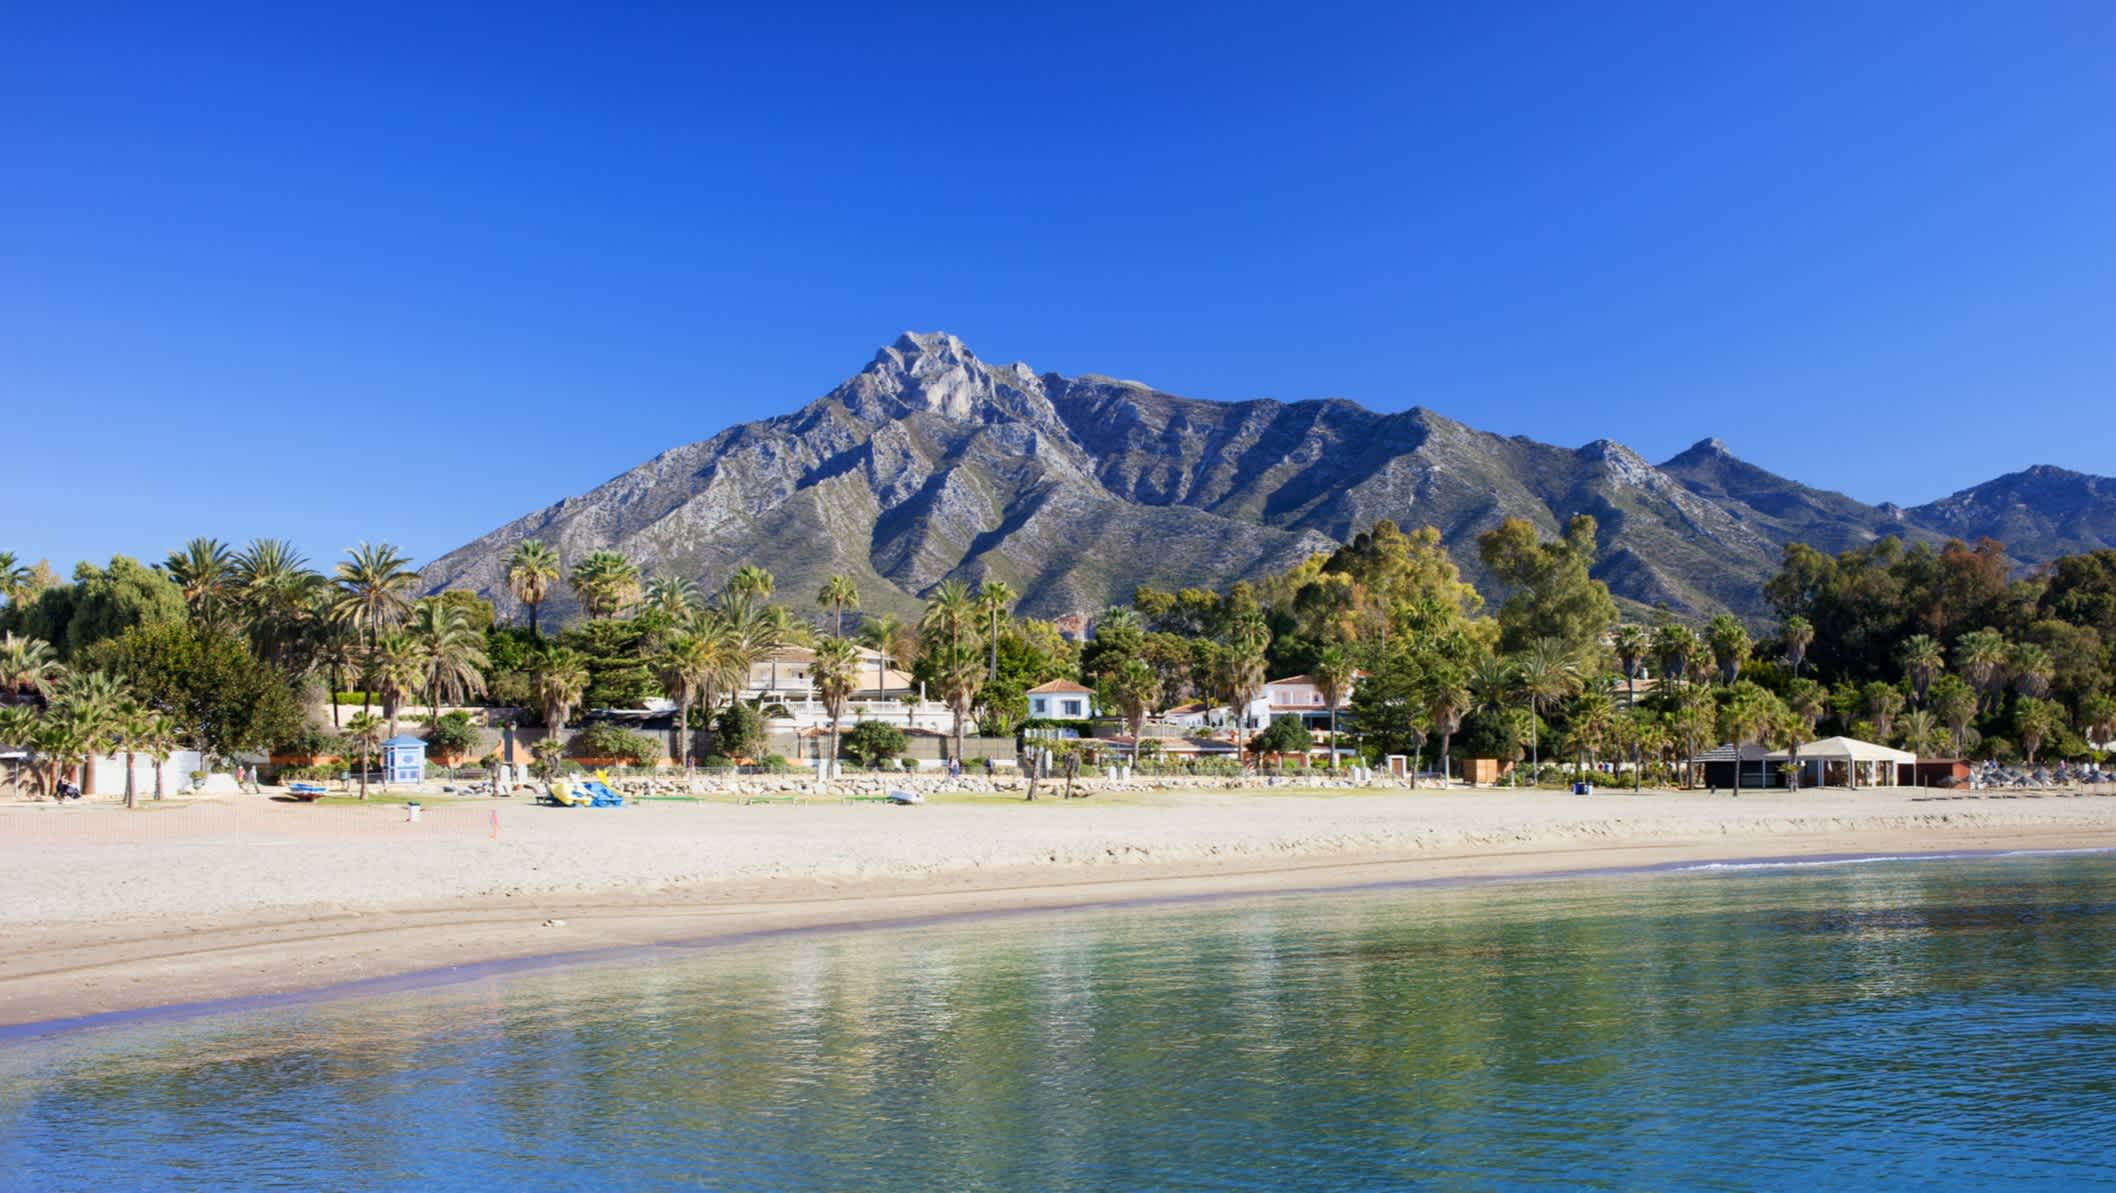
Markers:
point(343, 272)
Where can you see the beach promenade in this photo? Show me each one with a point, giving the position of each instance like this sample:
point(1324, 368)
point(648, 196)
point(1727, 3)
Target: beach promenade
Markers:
point(102, 911)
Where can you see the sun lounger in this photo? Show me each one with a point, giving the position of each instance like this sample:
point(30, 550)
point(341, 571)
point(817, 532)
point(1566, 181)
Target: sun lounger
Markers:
point(769, 799)
point(307, 792)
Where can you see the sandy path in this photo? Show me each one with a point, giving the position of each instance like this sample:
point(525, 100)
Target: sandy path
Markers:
point(102, 910)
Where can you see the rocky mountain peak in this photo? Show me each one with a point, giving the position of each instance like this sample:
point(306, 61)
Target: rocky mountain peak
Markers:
point(936, 373)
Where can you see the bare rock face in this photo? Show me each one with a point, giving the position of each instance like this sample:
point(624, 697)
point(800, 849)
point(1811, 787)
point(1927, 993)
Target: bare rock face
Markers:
point(930, 464)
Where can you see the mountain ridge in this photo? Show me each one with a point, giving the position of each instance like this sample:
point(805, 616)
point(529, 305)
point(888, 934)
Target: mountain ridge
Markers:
point(931, 464)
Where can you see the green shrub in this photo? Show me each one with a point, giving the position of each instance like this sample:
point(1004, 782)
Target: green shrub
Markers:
point(310, 739)
point(738, 731)
point(603, 739)
point(776, 764)
point(451, 736)
point(356, 698)
point(871, 742)
point(718, 762)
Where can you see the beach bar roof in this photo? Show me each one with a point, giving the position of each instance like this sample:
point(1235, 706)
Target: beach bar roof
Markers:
point(1846, 749)
point(1857, 762)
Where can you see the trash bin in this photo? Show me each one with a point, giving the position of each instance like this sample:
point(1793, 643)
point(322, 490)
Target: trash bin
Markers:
point(411, 810)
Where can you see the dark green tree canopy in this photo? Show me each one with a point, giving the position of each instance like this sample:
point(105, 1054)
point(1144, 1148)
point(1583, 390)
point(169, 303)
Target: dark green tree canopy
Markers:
point(226, 700)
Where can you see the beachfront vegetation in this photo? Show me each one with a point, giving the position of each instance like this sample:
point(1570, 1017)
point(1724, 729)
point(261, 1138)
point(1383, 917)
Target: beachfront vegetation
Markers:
point(1941, 650)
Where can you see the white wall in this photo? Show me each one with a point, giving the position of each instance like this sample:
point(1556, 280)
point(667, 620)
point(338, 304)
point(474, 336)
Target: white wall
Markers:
point(106, 774)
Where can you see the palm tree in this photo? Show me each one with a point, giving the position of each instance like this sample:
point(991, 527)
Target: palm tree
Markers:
point(18, 728)
point(272, 585)
point(337, 650)
point(1445, 702)
point(1492, 679)
point(91, 706)
point(130, 726)
point(752, 579)
point(2097, 718)
point(1920, 733)
point(687, 666)
point(1729, 641)
point(1922, 659)
point(1134, 688)
point(2031, 668)
point(1881, 702)
point(1981, 655)
point(1674, 645)
point(454, 654)
point(607, 583)
point(839, 593)
point(884, 635)
point(399, 671)
point(16, 583)
point(204, 571)
point(1333, 674)
point(61, 738)
point(1955, 702)
point(995, 599)
point(834, 672)
point(28, 663)
point(548, 752)
point(560, 676)
point(1249, 639)
point(372, 584)
point(1807, 700)
point(1631, 642)
point(1797, 633)
point(158, 740)
point(2035, 719)
point(1593, 724)
point(949, 612)
point(364, 729)
point(753, 632)
point(961, 674)
point(674, 597)
point(532, 568)
point(1548, 675)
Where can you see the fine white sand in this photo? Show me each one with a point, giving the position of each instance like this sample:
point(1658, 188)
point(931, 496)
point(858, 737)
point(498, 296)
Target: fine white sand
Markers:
point(103, 910)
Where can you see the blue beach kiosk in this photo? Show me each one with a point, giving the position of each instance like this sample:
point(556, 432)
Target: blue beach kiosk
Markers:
point(404, 759)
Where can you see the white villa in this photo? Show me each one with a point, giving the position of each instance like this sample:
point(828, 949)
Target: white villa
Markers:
point(1295, 695)
point(1061, 700)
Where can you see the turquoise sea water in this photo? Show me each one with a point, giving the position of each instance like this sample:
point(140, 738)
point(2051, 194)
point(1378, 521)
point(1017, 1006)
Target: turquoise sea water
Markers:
point(1841, 1027)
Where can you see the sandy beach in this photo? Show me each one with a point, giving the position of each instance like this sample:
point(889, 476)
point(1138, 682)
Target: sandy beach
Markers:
point(101, 910)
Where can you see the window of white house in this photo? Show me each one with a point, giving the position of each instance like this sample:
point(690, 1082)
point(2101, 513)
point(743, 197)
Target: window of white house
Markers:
point(1072, 709)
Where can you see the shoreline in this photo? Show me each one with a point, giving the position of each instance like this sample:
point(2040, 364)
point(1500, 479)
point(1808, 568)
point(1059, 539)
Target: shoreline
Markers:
point(390, 923)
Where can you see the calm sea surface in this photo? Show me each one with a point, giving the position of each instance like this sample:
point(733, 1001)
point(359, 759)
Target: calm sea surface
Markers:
point(1879, 1025)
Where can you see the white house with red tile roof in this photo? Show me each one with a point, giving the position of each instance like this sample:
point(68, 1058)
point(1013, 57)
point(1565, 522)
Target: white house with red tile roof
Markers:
point(1061, 700)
